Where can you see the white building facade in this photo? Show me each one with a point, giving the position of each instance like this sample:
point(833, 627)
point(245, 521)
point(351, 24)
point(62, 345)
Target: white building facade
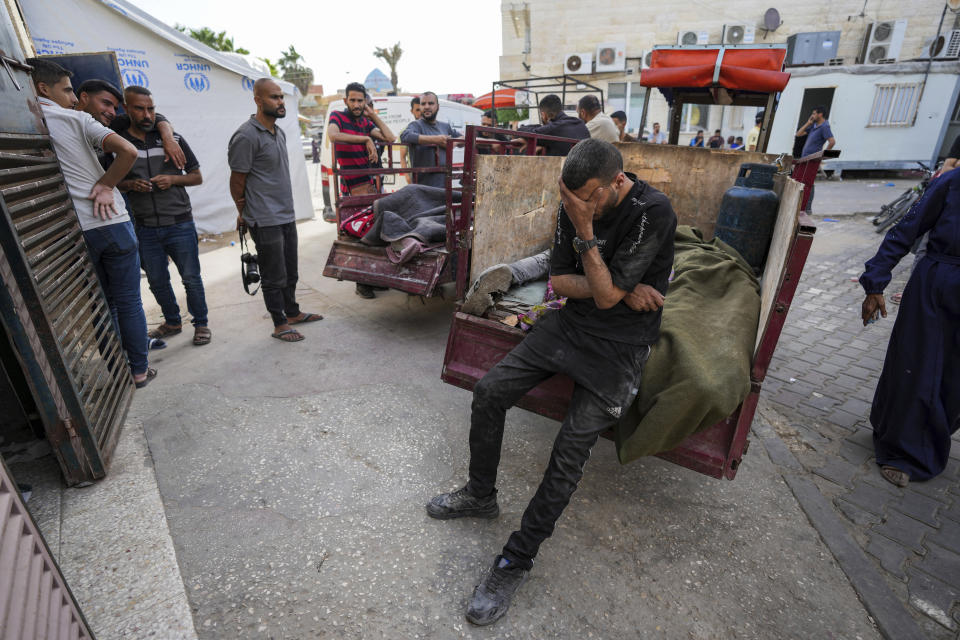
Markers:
point(540, 36)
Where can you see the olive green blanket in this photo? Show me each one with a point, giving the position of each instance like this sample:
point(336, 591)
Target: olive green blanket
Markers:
point(699, 371)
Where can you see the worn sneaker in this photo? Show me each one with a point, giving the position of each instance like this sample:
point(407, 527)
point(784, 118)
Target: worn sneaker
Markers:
point(460, 504)
point(491, 598)
point(495, 279)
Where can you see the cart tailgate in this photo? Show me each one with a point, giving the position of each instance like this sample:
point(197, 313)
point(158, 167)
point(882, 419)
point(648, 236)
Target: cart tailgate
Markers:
point(369, 265)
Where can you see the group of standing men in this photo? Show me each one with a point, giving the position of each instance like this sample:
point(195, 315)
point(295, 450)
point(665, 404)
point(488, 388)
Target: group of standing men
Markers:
point(127, 174)
point(118, 165)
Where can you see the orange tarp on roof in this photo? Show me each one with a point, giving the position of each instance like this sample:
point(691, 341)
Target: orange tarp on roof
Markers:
point(741, 69)
point(505, 98)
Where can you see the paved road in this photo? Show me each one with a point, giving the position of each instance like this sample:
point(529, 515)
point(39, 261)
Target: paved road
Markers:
point(294, 478)
point(820, 387)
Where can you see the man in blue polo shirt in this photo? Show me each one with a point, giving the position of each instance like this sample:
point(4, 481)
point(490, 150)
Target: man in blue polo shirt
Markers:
point(818, 133)
point(163, 216)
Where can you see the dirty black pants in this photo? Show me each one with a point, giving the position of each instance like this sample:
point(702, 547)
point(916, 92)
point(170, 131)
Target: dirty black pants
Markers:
point(534, 360)
point(277, 259)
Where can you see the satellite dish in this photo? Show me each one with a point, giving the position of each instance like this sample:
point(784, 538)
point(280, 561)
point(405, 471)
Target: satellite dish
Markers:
point(772, 22)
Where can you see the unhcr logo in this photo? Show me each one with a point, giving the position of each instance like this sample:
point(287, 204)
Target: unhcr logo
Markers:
point(247, 83)
point(135, 78)
point(197, 82)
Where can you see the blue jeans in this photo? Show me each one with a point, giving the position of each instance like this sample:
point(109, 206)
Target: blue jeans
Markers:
point(113, 250)
point(179, 241)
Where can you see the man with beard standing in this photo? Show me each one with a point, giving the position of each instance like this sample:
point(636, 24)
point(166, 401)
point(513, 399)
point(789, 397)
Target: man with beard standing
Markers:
point(427, 138)
point(352, 133)
point(163, 217)
point(260, 187)
point(78, 140)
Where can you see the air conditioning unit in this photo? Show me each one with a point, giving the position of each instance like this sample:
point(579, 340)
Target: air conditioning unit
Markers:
point(578, 63)
point(611, 56)
point(946, 46)
point(738, 34)
point(883, 41)
point(693, 37)
point(646, 59)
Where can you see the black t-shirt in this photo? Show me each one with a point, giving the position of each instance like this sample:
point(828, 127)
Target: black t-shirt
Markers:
point(955, 149)
point(636, 243)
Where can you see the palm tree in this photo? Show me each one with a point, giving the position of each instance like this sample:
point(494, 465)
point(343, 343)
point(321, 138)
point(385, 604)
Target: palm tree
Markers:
point(272, 66)
point(391, 56)
point(217, 41)
point(293, 71)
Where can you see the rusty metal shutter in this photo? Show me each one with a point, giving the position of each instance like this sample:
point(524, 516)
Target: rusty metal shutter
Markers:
point(35, 602)
point(52, 306)
point(61, 307)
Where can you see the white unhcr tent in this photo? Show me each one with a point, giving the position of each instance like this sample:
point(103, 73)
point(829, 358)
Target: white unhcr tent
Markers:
point(206, 94)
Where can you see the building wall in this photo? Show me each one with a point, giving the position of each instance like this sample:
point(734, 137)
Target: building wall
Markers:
point(559, 27)
point(861, 145)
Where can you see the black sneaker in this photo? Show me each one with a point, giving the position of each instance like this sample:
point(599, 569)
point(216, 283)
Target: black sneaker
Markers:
point(460, 504)
point(491, 598)
point(365, 291)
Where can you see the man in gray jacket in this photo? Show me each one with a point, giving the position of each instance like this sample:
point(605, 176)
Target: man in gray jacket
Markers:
point(427, 138)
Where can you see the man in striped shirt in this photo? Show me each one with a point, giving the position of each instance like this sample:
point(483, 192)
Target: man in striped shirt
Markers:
point(352, 132)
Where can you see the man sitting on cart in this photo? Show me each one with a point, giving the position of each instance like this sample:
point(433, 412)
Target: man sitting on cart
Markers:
point(611, 257)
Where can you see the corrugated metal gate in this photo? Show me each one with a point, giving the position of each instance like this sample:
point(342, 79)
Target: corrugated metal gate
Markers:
point(35, 601)
point(51, 303)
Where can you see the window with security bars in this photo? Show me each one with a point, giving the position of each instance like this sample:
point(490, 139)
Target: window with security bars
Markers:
point(894, 105)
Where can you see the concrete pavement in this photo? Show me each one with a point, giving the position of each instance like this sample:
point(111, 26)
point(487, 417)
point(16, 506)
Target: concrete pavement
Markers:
point(294, 478)
point(817, 398)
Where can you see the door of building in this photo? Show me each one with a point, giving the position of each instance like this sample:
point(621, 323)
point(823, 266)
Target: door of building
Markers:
point(815, 97)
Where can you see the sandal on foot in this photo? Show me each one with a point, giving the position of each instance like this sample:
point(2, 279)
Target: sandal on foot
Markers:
point(201, 336)
point(164, 331)
point(307, 317)
point(290, 335)
point(151, 374)
point(895, 476)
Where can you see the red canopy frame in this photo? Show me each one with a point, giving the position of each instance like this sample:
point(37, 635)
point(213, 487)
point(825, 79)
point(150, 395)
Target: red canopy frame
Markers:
point(742, 75)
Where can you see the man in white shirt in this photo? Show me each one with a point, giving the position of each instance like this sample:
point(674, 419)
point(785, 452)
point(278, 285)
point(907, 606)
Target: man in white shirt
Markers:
point(99, 207)
point(598, 123)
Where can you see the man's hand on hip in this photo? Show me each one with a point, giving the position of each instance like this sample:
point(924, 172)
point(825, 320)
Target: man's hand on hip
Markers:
point(103, 205)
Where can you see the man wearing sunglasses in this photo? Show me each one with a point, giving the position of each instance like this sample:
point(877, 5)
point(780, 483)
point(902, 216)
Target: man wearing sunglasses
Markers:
point(611, 258)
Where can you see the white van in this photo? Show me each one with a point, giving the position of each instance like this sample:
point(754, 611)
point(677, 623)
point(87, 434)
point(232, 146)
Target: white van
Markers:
point(395, 113)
